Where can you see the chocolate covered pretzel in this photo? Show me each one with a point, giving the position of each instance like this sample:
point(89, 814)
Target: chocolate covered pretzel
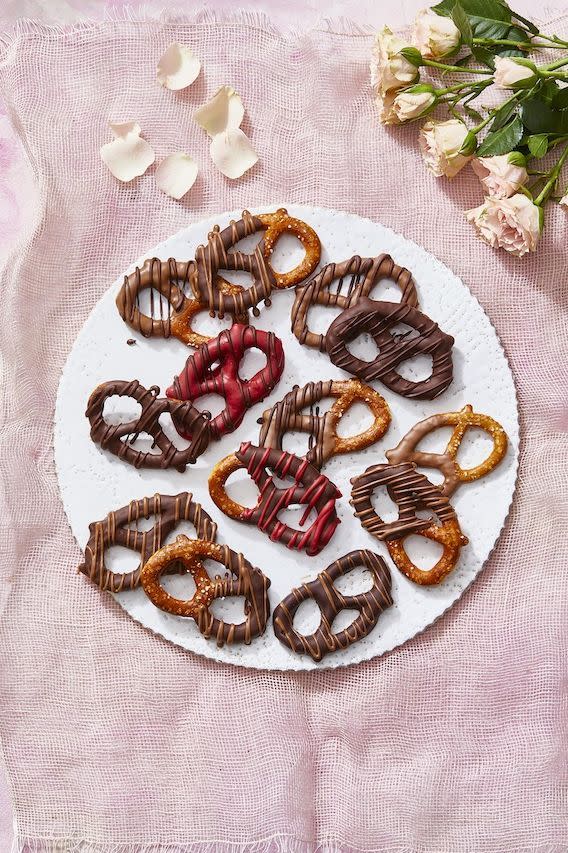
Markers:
point(119, 438)
point(379, 319)
point(331, 602)
point(353, 279)
point(309, 488)
point(411, 491)
point(241, 579)
point(120, 527)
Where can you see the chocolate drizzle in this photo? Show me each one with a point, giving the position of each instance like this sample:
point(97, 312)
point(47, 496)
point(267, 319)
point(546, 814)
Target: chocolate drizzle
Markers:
point(120, 527)
point(361, 274)
point(118, 438)
point(226, 352)
point(378, 319)
point(331, 602)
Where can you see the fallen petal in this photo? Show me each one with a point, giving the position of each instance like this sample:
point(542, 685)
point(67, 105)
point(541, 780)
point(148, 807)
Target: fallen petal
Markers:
point(178, 67)
point(232, 153)
point(223, 112)
point(176, 174)
point(128, 155)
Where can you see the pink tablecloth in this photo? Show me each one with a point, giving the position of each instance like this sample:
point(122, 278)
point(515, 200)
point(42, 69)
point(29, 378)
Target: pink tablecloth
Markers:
point(117, 741)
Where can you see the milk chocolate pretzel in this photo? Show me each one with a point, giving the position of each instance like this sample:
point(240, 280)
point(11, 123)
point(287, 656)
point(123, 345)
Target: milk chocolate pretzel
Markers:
point(215, 256)
point(226, 352)
point(324, 441)
point(120, 527)
point(309, 488)
point(362, 275)
point(118, 438)
point(170, 279)
point(446, 462)
point(378, 319)
point(412, 491)
point(241, 579)
point(331, 602)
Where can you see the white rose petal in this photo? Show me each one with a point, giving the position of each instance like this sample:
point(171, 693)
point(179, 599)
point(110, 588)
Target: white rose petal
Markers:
point(411, 105)
point(176, 174)
point(389, 69)
point(385, 102)
point(434, 35)
point(440, 143)
point(128, 155)
point(500, 178)
point(512, 223)
point(509, 74)
point(224, 111)
point(232, 153)
point(564, 200)
point(178, 67)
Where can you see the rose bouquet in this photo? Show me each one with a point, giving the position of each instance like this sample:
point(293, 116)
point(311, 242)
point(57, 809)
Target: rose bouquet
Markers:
point(517, 147)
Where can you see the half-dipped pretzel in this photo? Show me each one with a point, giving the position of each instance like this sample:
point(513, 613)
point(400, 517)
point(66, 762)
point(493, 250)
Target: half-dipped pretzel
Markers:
point(241, 579)
point(170, 279)
point(331, 602)
point(361, 275)
point(309, 488)
point(446, 462)
point(379, 319)
point(120, 527)
point(411, 491)
point(119, 438)
point(226, 352)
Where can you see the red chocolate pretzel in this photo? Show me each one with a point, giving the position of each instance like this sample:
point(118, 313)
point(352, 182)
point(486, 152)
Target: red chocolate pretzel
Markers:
point(331, 602)
point(309, 488)
point(226, 351)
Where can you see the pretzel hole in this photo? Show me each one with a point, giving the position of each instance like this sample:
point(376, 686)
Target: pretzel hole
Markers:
point(181, 586)
point(384, 506)
point(240, 277)
point(343, 620)
point(356, 419)
point(296, 442)
point(141, 524)
point(241, 489)
point(294, 514)
point(154, 304)
point(212, 403)
point(183, 528)
point(475, 447)
point(167, 425)
point(320, 317)
point(355, 582)
point(386, 290)
point(435, 441)
point(119, 410)
point(307, 617)
point(433, 474)
point(121, 560)
point(288, 253)
point(424, 553)
point(417, 368)
point(231, 609)
point(142, 442)
point(404, 332)
point(208, 326)
point(363, 347)
point(252, 362)
point(247, 245)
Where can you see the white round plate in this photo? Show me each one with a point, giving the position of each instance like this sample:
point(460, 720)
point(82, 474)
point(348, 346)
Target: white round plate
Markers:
point(92, 482)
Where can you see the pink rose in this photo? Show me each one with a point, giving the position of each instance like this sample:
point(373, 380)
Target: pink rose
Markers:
point(513, 224)
point(435, 35)
point(499, 177)
point(440, 143)
point(389, 69)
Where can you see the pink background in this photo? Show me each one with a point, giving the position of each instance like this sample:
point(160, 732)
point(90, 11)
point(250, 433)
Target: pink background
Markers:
point(16, 186)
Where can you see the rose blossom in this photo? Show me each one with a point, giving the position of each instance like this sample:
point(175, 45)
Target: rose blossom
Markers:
point(385, 102)
point(409, 105)
point(390, 70)
point(434, 35)
point(440, 143)
point(510, 74)
point(499, 177)
point(512, 223)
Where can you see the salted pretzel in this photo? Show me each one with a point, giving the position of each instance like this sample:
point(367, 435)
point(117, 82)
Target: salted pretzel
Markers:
point(170, 279)
point(279, 223)
point(331, 602)
point(199, 377)
point(411, 491)
point(379, 319)
point(309, 488)
point(120, 527)
point(353, 279)
point(446, 462)
point(241, 579)
point(118, 438)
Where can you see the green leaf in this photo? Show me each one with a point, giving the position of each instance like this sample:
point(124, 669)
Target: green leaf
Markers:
point(413, 55)
point(503, 140)
point(548, 91)
point(461, 21)
point(538, 144)
point(472, 113)
point(560, 101)
point(515, 15)
point(539, 117)
point(489, 28)
point(515, 158)
point(503, 114)
point(484, 56)
point(481, 8)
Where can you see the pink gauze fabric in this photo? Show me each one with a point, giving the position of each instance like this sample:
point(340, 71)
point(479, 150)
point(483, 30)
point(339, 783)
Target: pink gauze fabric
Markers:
point(115, 740)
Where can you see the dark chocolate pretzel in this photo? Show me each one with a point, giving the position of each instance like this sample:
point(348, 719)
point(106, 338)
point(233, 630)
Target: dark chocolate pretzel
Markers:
point(309, 488)
point(378, 320)
point(361, 274)
point(117, 438)
point(331, 602)
point(411, 491)
point(120, 527)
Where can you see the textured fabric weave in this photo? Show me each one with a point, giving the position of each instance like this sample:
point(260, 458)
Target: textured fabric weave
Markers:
point(115, 740)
